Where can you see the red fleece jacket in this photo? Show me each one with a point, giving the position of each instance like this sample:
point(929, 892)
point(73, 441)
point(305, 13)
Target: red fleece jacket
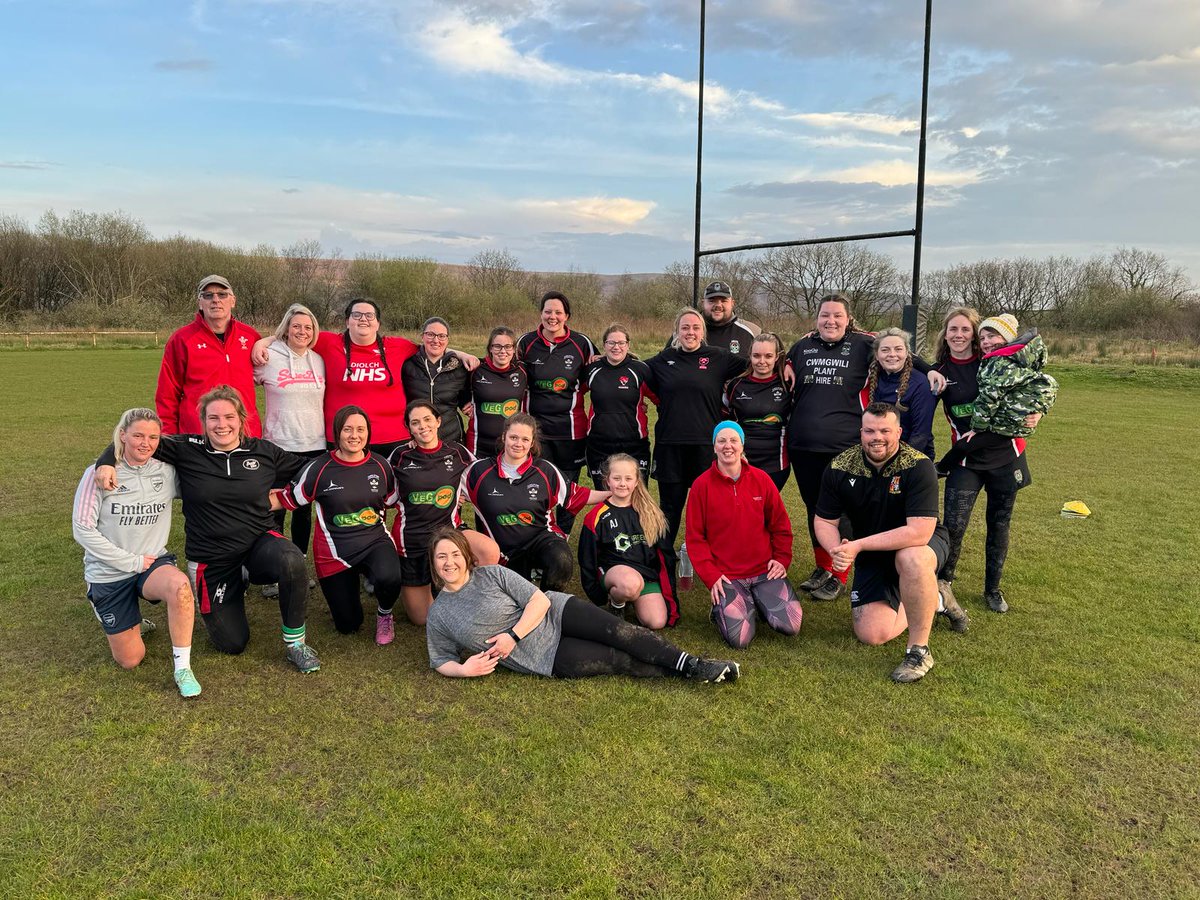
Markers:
point(735, 528)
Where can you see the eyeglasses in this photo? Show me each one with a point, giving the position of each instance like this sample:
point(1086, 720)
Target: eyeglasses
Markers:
point(217, 295)
point(616, 345)
point(435, 335)
point(502, 348)
point(363, 316)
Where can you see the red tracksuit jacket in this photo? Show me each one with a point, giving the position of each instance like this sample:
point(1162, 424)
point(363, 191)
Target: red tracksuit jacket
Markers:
point(194, 362)
point(735, 528)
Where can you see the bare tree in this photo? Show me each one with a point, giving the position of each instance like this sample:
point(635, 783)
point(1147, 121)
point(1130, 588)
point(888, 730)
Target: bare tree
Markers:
point(492, 270)
point(792, 280)
point(1144, 270)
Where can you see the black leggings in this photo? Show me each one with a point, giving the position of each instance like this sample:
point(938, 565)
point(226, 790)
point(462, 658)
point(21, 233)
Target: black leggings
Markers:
point(382, 567)
point(567, 456)
point(676, 468)
point(998, 516)
point(301, 525)
point(549, 552)
point(221, 589)
point(809, 468)
point(595, 642)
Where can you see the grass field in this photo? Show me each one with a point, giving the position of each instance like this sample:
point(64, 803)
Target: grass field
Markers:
point(1052, 751)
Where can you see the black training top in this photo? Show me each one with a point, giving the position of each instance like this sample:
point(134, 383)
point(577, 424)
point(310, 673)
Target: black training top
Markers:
point(555, 386)
point(426, 495)
point(496, 395)
point(734, 337)
point(958, 403)
point(612, 536)
point(761, 407)
point(827, 412)
point(617, 416)
point(514, 511)
point(442, 383)
point(878, 500)
point(226, 503)
point(350, 500)
point(689, 388)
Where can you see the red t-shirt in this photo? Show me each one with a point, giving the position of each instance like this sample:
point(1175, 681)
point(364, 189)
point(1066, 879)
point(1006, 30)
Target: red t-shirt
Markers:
point(363, 381)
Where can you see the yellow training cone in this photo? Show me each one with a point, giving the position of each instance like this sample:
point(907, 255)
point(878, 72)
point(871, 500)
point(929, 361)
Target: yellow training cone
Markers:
point(1076, 509)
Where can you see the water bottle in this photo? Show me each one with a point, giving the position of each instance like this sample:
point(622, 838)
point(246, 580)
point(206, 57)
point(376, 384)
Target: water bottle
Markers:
point(686, 573)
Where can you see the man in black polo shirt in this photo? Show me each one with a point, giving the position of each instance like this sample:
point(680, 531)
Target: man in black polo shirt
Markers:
point(889, 492)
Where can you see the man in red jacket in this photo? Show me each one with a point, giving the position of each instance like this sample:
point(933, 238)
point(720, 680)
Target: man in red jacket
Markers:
point(739, 538)
point(213, 349)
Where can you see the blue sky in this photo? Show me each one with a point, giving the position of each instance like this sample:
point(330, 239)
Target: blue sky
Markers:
point(564, 131)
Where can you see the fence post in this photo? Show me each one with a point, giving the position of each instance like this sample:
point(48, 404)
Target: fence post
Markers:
point(26, 341)
point(93, 339)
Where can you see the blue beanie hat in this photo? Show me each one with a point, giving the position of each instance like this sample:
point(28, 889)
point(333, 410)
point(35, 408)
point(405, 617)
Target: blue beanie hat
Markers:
point(728, 423)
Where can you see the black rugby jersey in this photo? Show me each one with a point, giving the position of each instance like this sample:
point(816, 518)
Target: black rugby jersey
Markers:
point(349, 499)
point(762, 408)
point(826, 409)
point(226, 502)
point(496, 395)
point(612, 536)
point(555, 386)
point(689, 387)
point(878, 500)
point(958, 403)
point(513, 511)
point(426, 494)
point(617, 416)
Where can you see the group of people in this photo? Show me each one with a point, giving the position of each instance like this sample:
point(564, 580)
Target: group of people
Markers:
point(358, 424)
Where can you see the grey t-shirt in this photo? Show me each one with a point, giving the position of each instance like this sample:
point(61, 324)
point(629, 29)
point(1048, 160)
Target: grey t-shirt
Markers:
point(490, 602)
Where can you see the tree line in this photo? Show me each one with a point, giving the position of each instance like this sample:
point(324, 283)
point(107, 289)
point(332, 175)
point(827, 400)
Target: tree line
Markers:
point(105, 270)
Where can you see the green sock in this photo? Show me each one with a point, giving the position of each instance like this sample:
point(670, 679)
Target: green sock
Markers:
point(293, 635)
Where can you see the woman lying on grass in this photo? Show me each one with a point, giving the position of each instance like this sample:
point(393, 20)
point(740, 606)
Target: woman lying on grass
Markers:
point(500, 618)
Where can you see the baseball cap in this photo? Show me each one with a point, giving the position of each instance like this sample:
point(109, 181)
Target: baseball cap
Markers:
point(213, 279)
point(717, 289)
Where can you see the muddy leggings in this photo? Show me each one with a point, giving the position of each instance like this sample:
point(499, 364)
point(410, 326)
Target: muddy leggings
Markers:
point(595, 642)
point(959, 504)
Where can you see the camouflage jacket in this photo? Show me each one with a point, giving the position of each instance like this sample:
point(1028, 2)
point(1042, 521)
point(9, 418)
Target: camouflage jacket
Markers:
point(1012, 385)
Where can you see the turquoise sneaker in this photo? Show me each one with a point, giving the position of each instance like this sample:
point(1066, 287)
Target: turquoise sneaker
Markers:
point(188, 685)
point(303, 657)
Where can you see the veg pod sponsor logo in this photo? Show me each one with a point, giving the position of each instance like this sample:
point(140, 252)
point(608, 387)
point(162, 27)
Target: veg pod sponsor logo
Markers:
point(366, 516)
point(506, 409)
point(558, 385)
point(524, 517)
point(440, 497)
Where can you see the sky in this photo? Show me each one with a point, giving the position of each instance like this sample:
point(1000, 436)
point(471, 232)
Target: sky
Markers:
point(565, 131)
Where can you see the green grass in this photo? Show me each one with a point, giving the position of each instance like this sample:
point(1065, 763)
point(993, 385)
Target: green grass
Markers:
point(1051, 752)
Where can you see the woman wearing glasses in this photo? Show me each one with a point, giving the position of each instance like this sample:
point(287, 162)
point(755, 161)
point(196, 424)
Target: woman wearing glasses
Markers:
point(363, 368)
point(499, 389)
point(439, 377)
point(617, 421)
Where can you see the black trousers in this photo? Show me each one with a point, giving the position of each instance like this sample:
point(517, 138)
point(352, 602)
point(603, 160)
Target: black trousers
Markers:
point(382, 567)
point(221, 589)
point(676, 468)
point(809, 467)
point(568, 457)
point(595, 642)
point(549, 552)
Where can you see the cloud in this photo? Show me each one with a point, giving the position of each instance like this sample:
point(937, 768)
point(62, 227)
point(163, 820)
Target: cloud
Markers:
point(875, 123)
point(30, 164)
point(610, 212)
point(184, 65)
point(481, 48)
point(292, 191)
point(892, 172)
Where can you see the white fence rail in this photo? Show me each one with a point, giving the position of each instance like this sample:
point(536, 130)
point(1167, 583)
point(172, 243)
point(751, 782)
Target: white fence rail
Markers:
point(76, 334)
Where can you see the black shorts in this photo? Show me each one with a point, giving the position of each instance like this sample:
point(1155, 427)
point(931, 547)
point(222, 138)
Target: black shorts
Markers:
point(681, 463)
point(876, 579)
point(1005, 480)
point(414, 570)
point(115, 603)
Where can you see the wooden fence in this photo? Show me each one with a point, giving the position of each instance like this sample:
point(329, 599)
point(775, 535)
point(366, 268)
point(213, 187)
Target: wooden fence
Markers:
point(77, 334)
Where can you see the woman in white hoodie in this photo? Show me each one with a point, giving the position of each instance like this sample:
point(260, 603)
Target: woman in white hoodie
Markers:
point(293, 380)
